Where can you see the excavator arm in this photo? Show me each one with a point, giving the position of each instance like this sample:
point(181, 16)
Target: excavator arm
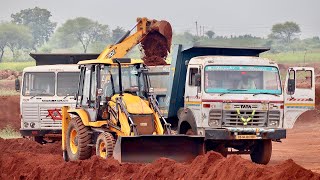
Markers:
point(143, 27)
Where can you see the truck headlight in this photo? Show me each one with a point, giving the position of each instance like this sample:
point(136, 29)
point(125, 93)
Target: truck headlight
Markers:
point(25, 124)
point(215, 116)
point(213, 123)
point(32, 124)
point(274, 123)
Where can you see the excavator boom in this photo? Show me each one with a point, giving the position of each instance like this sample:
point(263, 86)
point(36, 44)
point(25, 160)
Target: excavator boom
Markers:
point(144, 27)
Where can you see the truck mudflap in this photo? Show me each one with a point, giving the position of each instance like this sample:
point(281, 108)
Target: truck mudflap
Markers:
point(244, 133)
point(147, 148)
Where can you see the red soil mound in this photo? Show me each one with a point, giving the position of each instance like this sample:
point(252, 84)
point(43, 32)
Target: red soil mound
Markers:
point(155, 49)
point(24, 159)
point(318, 94)
point(9, 112)
point(9, 74)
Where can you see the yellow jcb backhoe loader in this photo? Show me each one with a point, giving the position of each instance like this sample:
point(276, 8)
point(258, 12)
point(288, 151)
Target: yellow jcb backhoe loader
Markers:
point(116, 111)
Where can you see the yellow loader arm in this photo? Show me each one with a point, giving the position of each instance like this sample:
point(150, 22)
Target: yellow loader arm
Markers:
point(127, 42)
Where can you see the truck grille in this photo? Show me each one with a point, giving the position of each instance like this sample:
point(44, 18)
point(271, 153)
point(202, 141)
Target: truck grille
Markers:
point(30, 112)
point(39, 112)
point(232, 119)
point(274, 115)
point(47, 122)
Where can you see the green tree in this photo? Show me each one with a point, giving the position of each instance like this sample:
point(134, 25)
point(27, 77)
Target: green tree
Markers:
point(38, 21)
point(285, 31)
point(82, 30)
point(3, 42)
point(15, 37)
point(210, 34)
point(117, 33)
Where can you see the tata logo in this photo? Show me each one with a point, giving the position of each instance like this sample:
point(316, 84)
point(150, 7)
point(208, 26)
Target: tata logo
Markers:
point(245, 106)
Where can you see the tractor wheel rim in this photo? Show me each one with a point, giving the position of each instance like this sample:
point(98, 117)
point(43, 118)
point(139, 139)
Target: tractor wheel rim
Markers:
point(102, 150)
point(74, 141)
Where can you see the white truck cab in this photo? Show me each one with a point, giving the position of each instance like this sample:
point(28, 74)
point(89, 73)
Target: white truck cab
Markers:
point(233, 98)
point(44, 88)
point(245, 92)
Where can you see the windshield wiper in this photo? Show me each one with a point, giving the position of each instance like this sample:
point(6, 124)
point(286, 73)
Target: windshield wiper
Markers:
point(232, 90)
point(66, 96)
point(267, 93)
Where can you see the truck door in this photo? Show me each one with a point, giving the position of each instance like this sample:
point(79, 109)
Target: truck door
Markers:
point(192, 99)
point(299, 93)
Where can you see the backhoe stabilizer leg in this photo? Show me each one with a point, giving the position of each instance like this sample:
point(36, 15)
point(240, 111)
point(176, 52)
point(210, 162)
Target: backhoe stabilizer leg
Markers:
point(65, 122)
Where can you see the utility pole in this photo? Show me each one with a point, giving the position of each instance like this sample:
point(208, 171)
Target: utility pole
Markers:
point(202, 30)
point(197, 27)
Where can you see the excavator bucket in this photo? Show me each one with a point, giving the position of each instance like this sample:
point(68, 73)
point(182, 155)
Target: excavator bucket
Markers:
point(164, 28)
point(147, 148)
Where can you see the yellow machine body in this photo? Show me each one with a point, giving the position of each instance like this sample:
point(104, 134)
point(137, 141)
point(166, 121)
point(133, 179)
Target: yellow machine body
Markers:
point(126, 126)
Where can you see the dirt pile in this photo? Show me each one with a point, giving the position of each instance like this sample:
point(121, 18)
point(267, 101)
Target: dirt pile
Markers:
point(9, 74)
point(317, 94)
point(155, 49)
point(9, 112)
point(24, 159)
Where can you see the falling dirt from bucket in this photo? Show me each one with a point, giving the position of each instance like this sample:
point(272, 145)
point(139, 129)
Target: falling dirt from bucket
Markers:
point(155, 49)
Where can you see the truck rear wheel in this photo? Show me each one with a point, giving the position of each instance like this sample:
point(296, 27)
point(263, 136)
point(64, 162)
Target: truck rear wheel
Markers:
point(105, 145)
point(262, 150)
point(78, 138)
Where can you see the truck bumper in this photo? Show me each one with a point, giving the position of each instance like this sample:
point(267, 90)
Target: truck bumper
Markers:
point(39, 132)
point(232, 134)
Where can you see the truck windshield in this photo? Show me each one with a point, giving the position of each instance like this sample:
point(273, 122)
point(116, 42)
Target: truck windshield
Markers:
point(38, 84)
point(132, 81)
point(242, 79)
point(67, 83)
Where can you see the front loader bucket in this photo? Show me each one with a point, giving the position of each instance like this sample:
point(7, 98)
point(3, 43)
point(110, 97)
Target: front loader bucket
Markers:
point(147, 148)
point(165, 29)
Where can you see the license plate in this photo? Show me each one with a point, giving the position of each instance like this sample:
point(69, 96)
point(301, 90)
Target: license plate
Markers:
point(246, 137)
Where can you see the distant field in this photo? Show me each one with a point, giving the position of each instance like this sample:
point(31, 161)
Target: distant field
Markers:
point(284, 57)
point(296, 57)
point(17, 66)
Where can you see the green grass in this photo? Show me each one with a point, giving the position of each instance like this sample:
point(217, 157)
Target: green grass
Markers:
point(17, 66)
point(9, 133)
point(8, 92)
point(296, 57)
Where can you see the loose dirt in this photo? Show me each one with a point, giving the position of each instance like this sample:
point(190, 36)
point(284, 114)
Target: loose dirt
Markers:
point(155, 49)
point(302, 143)
point(9, 112)
point(23, 159)
point(9, 74)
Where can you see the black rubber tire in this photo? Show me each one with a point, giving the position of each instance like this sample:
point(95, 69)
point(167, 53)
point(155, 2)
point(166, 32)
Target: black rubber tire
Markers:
point(84, 138)
point(109, 142)
point(262, 150)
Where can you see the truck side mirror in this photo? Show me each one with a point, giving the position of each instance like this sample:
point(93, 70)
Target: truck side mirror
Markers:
point(198, 79)
point(291, 86)
point(17, 84)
